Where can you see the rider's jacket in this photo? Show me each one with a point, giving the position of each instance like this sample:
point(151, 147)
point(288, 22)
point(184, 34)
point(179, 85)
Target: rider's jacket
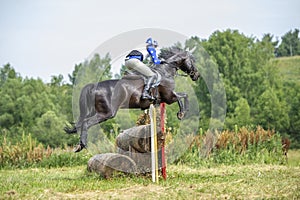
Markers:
point(152, 52)
point(141, 56)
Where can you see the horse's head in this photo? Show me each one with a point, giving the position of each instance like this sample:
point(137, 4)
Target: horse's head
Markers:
point(183, 60)
point(188, 65)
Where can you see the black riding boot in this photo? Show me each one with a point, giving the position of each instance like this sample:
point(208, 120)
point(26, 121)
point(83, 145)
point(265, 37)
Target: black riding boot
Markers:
point(146, 91)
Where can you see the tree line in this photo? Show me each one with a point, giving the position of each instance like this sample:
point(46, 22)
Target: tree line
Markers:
point(255, 92)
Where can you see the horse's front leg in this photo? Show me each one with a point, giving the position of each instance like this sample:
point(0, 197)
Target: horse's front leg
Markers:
point(183, 95)
point(171, 97)
point(182, 107)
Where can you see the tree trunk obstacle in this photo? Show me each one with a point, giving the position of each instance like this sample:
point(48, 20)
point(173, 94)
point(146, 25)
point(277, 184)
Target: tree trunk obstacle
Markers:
point(107, 164)
point(133, 150)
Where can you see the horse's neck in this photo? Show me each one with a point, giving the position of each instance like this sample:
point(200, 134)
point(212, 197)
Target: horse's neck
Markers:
point(167, 70)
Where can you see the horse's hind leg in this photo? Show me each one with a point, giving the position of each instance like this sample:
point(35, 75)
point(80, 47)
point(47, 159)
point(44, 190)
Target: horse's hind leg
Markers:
point(89, 122)
point(84, 129)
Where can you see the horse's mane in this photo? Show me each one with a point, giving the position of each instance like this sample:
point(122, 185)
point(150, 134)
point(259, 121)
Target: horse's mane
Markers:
point(166, 53)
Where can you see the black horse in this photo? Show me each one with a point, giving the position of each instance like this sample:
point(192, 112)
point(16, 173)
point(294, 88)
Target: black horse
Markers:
point(101, 101)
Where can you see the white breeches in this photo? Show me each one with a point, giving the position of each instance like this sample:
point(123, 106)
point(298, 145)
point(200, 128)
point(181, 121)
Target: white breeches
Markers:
point(137, 65)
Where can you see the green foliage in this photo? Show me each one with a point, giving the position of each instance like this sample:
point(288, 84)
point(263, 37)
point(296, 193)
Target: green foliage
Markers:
point(240, 82)
point(240, 61)
point(26, 101)
point(28, 152)
point(7, 72)
point(24, 153)
point(242, 147)
point(64, 157)
point(274, 115)
point(292, 92)
point(254, 88)
point(290, 44)
point(210, 88)
point(48, 130)
point(289, 69)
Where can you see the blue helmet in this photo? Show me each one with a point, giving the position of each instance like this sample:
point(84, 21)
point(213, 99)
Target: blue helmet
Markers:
point(149, 41)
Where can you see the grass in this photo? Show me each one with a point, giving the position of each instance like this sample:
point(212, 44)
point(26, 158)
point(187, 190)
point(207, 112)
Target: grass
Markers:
point(294, 158)
point(289, 68)
point(63, 175)
point(231, 182)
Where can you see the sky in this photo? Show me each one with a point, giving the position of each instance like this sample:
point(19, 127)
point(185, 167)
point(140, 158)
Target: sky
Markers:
point(45, 38)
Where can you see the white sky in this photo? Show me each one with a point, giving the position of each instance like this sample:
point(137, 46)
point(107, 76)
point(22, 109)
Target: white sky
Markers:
point(44, 38)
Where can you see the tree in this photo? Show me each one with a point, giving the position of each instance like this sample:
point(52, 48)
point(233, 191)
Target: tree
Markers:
point(209, 88)
point(7, 72)
point(244, 65)
point(72, 77)
point(90, 71)
point(57, 80)
point(270, 113)
point(23, 101)
point(290, 44)
point(292, 95)
point(48, 130)
point(242, 113)
point(268, 39)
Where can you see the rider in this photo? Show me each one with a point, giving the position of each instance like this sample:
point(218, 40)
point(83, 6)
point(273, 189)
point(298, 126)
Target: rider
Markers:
point(134, 60)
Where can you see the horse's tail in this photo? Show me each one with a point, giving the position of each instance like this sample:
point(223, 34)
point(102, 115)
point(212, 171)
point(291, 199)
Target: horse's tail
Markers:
point(86, 107)
point(87, 102)
point(70, 129)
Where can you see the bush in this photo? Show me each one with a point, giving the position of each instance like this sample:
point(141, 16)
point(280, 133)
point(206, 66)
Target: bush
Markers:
point(29, 153)
point(244, 146)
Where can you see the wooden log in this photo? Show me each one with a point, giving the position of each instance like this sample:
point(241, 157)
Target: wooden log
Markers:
point(135, 137)
point(138, 138)
point(135, 142)
point(109, 163)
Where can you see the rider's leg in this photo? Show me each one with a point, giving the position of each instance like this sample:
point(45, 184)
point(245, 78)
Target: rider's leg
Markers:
point(139, 66)
point(146, 91)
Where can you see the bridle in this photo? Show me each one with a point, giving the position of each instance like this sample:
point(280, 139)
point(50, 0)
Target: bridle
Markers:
point(175, 64)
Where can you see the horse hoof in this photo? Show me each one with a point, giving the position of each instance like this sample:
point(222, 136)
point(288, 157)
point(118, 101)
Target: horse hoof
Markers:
point(78, 148)
point(180, 115)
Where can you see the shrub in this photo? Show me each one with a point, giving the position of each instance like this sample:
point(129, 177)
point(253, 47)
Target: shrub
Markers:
point(244, 146)
point(29, 153)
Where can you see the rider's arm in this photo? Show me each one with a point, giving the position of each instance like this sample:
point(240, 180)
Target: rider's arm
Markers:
point(152, 51)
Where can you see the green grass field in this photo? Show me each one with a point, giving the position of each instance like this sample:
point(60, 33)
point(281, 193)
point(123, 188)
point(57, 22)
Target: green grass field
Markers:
point(222, 182)
point(289, 68)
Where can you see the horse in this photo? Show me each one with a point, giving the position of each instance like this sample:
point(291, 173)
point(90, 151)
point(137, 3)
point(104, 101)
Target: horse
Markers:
point(100, 101)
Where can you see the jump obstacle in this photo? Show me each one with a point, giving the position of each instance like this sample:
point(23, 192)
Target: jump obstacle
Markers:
point(140, 149)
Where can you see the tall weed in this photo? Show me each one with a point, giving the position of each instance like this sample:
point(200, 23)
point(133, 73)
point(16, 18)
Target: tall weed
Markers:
point(243, 146)
point(29, 153)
